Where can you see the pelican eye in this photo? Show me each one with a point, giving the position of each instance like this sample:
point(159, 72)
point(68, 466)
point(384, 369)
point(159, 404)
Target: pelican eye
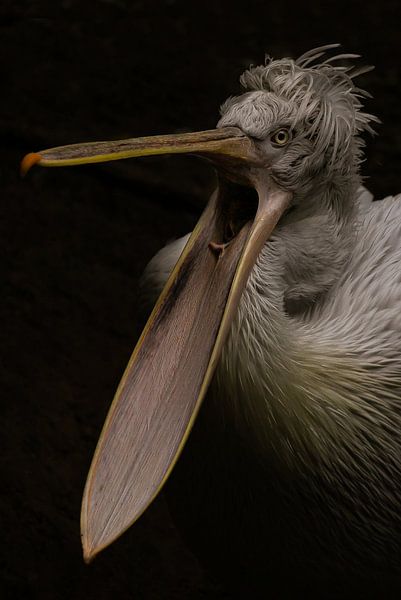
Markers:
point(280, 137)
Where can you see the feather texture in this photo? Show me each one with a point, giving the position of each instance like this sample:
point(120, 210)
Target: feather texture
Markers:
point(305, 405)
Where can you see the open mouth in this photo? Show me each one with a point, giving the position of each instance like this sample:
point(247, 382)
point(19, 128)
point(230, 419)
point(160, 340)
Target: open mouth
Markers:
point(236, 207)
point(239, 204)
point(171, 367)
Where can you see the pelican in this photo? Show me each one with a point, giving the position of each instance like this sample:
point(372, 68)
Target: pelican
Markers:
point(276, 339)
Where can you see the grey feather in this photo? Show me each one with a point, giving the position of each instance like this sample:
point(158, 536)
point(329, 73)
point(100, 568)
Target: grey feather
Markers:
point(310, 375)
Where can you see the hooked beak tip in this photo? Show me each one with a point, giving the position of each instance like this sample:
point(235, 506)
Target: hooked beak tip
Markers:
point(28, 162)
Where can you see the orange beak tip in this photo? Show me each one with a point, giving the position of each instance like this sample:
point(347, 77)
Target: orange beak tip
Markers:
point(28, 162)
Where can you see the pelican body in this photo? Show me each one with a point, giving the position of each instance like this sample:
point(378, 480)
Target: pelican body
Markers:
point(276, 339)
point(290, 480)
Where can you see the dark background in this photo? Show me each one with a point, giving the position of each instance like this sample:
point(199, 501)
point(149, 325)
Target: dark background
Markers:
point(75, 241)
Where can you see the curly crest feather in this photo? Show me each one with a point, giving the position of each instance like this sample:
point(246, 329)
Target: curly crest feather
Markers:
point(326, 106)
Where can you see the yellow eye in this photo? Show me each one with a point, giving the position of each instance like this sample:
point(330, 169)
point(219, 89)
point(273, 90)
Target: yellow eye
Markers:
point(281, 137)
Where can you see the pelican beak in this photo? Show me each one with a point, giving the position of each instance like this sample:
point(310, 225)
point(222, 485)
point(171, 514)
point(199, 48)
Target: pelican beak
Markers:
point(228, 142)
point(171, 367)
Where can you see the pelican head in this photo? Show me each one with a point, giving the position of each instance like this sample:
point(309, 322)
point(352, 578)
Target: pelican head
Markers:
point(304, 120)
point(293, 136)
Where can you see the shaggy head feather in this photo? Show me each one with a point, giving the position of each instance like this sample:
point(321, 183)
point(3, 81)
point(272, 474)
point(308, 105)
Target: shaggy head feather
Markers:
point(318, 102)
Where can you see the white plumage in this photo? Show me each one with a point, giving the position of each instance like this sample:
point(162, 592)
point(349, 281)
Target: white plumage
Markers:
point(350, 327)
point(293, 472)
point(291, 477)
point(310, 376)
